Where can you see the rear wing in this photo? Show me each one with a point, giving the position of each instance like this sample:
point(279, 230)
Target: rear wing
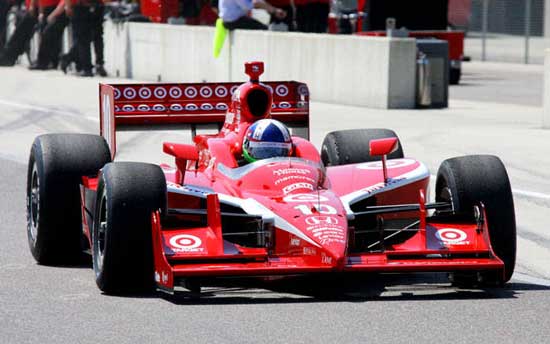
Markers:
point(127, 106)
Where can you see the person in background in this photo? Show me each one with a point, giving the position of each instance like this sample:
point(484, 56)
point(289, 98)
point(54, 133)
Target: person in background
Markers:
point(312, 15)
point(235, 13)
point(21, 36)
point(5, 6)
point(288, 7)
point(53, 17)
point(87, 22)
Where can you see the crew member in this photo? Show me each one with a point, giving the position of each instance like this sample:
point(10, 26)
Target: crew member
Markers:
point(235, 13)
point(23, 33)
point(87, 19)
point(4, 10)
point(52, 14)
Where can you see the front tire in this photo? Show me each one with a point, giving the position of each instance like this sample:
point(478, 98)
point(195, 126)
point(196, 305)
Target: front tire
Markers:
point(468, 180)
point(127, 195)
point(57, 163)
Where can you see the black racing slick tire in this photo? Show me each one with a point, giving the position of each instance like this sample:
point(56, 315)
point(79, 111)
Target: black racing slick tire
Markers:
point(454, 75)
point(469, 180)
point(352, 146)
point(127, 194)
point(57, 163)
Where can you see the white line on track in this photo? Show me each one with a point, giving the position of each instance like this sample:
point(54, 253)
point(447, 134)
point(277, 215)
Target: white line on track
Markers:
point(527, 194)
point(531, 194)
point(42, 109)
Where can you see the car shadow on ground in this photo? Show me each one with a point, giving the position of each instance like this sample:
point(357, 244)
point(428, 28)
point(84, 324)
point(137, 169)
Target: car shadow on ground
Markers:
point(364, 289)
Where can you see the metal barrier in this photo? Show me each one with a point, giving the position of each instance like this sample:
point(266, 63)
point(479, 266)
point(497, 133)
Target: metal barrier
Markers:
point(507, 31)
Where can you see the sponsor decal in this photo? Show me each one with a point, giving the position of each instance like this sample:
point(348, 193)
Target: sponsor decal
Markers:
point(144, 108)
point(326, 259)
point(281, 90)
point(220, 91)
point(303, 90)
point(294, 242)
point(321, 220)
point(297, 186)
point(129, 93)
point(186, 243)
point(305, 198)
point(128, 108)
point(285, 105)
point(117, 108)
point(175, 92)
point(221, 106)
point(285, 171)
point(233, 89)
point(206, 92)
point(161, 276)
point(379, 186)
point(301, 105)
point(159, 107)
point(452, 236)
point(144, 93)
point(160, 92)
point(116, 93)
point(273, 105)
point(190, 92)
point(207, 107)
point(326, 229)
point(394, 163)
point(176, 107)
point(191, 107)
point(309, 251)
point(294, 177)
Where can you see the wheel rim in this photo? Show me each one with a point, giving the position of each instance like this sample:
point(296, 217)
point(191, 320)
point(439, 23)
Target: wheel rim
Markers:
point(446, 195)
point(33, 205)
point(99, 240)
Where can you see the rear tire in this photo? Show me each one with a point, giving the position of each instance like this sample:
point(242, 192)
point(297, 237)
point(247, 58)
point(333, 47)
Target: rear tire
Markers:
point(57, 163)
point(127, 195)
point(352, 146)
point(454, 75)
point(466, 181)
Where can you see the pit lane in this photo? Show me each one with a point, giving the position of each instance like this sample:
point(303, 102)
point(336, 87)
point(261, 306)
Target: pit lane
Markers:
point(45, 304)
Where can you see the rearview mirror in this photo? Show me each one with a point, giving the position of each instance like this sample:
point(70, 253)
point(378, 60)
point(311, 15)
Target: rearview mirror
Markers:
point(385, 146)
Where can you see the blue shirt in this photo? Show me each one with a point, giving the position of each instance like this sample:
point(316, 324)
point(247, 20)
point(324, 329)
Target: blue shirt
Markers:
point(231, 10)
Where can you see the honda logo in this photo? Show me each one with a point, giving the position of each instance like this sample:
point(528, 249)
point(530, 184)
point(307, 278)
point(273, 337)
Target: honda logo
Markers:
point(321, 220)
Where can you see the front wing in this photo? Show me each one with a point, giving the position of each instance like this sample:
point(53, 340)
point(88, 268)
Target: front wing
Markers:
point(181, 254)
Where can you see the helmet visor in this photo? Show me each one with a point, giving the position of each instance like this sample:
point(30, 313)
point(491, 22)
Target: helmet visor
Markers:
point(266, 150)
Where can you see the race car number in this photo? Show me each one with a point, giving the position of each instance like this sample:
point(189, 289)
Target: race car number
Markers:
point(320, 208)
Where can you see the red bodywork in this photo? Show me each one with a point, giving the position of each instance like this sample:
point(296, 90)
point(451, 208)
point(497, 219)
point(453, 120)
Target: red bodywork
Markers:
point(300, 216)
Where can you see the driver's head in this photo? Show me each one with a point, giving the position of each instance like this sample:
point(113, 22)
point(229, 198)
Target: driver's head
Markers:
point(266, 138)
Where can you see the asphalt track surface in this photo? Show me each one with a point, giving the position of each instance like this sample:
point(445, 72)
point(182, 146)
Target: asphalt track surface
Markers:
point(40, 304)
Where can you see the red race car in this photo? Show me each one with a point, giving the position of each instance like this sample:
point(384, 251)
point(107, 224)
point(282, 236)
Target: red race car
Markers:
point(233, 206)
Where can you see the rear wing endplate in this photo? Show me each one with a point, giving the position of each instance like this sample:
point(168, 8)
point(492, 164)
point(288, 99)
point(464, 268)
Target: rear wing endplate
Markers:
point(127, 106)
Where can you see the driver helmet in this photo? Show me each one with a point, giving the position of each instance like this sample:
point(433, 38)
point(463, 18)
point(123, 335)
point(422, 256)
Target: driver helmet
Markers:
point(266, 138)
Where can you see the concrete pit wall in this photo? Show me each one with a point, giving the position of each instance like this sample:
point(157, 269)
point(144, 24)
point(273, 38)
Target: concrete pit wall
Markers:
point(375, 72)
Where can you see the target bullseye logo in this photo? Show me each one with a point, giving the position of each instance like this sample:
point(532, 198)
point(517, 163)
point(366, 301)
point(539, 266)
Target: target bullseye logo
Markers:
point(185, 242)
point(451, 235)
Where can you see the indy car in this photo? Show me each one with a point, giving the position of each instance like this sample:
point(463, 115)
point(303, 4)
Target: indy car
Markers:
point(356, 206)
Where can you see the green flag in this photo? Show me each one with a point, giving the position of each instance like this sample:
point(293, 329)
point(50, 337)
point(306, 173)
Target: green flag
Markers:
point(219, 37)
